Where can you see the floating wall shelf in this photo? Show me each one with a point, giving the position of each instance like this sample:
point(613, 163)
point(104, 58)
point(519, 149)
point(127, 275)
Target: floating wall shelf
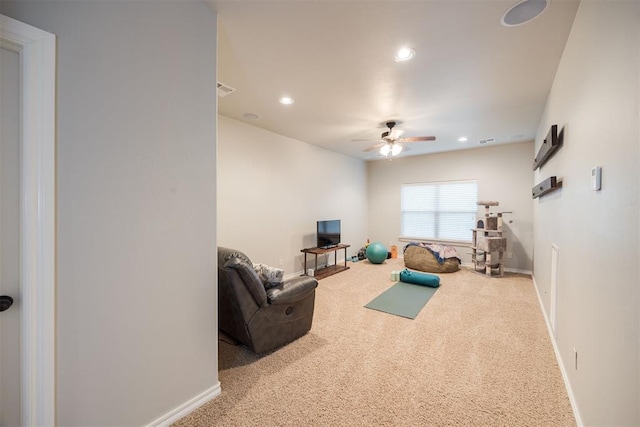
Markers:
point(549, 145)
point(547, 186)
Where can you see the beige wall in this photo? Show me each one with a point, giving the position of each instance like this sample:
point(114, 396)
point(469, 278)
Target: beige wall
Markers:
point(272, 190)
point(136, 205)
point(503, 173)
point(595, 99)
point(136, 164)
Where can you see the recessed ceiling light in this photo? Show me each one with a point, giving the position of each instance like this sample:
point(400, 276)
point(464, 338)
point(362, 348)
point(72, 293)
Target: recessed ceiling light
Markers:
point(523, 12)
point(286, 100)
point(462, 139)
point(404, 54)
point(251, 116)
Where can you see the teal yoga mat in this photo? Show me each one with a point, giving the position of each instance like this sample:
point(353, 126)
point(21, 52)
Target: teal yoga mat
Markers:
point(402, 299)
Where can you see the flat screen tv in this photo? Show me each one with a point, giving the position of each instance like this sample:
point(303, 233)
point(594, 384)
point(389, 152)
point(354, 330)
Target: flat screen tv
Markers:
point(328, 233)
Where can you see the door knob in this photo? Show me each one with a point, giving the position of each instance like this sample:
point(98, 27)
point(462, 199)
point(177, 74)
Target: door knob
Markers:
point(5, 302)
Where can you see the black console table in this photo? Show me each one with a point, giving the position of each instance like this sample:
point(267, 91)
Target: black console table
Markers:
point(327, 271)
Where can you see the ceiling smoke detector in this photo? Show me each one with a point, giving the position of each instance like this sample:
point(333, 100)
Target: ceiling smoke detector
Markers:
point(224, 90)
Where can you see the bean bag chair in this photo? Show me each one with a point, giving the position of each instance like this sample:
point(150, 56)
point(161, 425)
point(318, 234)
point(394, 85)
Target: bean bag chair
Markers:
point(422, 259)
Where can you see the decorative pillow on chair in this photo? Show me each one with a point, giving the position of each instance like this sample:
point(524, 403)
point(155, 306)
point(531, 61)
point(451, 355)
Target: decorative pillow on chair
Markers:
point(270, 276)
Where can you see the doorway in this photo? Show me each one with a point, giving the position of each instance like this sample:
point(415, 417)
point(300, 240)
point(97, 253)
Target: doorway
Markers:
point(10, 236)
point(28, 56)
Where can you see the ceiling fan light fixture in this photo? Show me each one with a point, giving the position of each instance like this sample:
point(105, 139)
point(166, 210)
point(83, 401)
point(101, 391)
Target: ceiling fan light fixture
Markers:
point(391, 144)
point(389, 150)
point(404, 54)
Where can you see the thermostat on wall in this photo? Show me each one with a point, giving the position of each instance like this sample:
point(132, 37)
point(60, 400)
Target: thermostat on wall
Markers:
point(596, 178)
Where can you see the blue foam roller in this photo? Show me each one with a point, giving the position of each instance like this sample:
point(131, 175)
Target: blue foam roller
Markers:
point(418, 278)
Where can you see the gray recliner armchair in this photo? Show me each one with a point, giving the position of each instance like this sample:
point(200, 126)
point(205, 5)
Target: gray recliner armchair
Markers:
point(258, 318)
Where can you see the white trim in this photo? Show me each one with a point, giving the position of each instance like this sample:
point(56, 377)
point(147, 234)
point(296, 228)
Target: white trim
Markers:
point(37, 50)
point(517, 270)
point(553, 305)
point(565, 376)
point(460, 243)
point(507, 269)
point(187, 407)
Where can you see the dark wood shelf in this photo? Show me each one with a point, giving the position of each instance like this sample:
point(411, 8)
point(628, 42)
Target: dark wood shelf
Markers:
point(320, 251)
point(547, 186)
point(550, 144)
point(330, 270)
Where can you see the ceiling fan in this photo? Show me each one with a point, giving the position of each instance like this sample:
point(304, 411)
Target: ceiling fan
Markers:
point(391, 143)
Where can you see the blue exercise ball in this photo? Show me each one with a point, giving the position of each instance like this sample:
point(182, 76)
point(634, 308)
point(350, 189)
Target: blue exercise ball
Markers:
point(376, 253)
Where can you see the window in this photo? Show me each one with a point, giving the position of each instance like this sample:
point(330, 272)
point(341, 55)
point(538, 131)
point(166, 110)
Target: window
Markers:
point(439, 210)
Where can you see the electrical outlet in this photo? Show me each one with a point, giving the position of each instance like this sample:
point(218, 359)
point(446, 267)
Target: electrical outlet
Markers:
point(280, 262)
point(510, 255)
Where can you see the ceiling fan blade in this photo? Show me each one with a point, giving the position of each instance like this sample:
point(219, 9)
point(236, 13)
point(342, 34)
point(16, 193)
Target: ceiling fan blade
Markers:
point(418, 138)
point(375, 147)
point(367, 140)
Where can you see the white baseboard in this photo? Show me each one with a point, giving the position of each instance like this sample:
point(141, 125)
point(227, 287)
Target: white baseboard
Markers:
point(565, 376)
point(509, 269)
point(516, 270)
point(468, 265)
point(187, 407)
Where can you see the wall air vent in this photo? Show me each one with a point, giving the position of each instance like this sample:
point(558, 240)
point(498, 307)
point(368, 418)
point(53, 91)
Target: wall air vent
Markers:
point(224, 90)
point(486, 141)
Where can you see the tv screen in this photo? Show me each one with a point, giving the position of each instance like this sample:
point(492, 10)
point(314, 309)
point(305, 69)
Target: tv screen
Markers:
point(328, 233)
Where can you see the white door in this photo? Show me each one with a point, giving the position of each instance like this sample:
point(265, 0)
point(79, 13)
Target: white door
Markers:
point(27, 224)
point(10, 237)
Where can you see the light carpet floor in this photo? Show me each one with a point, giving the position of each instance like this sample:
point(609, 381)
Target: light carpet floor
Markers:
point(478, 354)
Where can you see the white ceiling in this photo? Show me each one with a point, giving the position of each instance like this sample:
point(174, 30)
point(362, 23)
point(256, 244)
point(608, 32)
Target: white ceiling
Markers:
point(471, 75)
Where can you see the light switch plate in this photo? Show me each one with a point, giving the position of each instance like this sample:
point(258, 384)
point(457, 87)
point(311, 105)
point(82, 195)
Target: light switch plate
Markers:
point(596, 178)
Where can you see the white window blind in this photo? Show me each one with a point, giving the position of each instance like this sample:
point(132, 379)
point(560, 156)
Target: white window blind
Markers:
point(439, 210)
